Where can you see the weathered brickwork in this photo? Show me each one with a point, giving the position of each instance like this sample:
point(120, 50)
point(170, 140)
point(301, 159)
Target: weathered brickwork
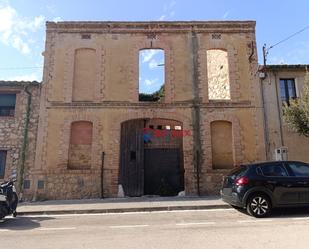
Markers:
point(71, 169)
point(13, 139)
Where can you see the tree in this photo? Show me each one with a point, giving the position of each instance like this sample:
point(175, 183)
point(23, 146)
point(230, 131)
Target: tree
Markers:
point(296, 114)
point(156, 96)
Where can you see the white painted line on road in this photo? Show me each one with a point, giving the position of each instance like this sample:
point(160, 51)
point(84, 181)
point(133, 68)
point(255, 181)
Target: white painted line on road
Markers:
point(55, 228)
point(301, 218)
point(195, 223)
point(128, 213)
point(129, 226)
point(254, 221)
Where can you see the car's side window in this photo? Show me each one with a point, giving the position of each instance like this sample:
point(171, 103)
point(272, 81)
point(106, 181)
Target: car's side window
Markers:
point(274, 170)
point(299, 169)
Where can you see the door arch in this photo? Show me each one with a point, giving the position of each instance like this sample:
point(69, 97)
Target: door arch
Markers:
point(151, 157)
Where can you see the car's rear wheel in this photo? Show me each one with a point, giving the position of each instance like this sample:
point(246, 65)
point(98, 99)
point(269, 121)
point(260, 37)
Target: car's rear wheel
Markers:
point(259, 205)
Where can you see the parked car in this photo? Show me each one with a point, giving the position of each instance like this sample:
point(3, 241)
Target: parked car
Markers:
point(260, 187)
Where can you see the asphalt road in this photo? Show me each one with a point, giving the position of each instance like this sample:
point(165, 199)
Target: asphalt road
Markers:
point(226, 228)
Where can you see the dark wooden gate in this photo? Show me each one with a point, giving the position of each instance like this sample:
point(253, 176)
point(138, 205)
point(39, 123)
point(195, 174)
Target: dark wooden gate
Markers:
point(163, 171)
point(132, 157)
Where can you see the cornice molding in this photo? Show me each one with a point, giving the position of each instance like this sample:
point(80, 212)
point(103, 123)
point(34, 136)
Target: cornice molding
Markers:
point(149, 27)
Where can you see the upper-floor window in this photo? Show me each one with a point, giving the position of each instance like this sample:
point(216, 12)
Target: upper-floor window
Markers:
point(84, 74)
point(218, 75)
point(151, 75)
point(7, 104)
point(287, 90)
point(2, 162)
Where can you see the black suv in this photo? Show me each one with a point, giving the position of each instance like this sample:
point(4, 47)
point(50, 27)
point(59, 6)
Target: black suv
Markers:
point(263, 186)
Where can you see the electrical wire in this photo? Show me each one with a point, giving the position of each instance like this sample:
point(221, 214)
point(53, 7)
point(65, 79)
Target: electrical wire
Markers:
point(289, 37)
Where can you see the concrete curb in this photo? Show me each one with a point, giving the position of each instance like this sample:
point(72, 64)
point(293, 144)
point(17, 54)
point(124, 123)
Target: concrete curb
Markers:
point(123, 210)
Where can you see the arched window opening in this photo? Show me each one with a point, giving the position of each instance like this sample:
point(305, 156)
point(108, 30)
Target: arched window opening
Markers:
point(218, 75)
point(80, 145)
point(222, 145)
point(151, 75)
point(84, 74)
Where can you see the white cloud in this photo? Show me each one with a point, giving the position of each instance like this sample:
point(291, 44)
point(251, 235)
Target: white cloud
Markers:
point(161, 18)
point(20, 45)
point(153, 64)
point(149, 82)
point(57, 19)
point(15, 29)
point(149, 54)
point(168, 10)
point(226, 14)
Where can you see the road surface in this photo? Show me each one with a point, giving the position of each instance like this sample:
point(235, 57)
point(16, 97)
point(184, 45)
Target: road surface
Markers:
point(218, 228)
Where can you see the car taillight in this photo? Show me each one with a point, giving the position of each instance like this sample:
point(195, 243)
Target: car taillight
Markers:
point(242, 181)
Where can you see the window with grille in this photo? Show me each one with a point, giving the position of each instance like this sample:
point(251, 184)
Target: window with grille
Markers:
point(287, 90)
point(7, 104)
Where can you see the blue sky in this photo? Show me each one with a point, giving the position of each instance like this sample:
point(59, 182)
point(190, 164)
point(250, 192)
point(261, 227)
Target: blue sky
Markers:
point(22, 25)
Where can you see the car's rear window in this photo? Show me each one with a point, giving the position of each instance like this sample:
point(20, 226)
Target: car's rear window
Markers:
point(238, 171)
point(274, 170)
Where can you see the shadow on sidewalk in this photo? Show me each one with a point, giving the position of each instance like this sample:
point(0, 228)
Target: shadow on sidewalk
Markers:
point(22, 223)
point(123, 200)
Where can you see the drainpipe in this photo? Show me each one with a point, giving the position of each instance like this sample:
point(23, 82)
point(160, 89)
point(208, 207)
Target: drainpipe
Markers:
point(102, 174)
point(266, 128)
point(24, 143)
point(279, 106)
point(196, 111)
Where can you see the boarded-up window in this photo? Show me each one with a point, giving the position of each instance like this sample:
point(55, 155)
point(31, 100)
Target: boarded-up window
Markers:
point(221, 141)
point(218, 75)
point(84, 74)
point(80, 145)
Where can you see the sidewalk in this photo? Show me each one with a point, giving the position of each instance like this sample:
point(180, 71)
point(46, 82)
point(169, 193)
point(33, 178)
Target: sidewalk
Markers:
point(119, 205)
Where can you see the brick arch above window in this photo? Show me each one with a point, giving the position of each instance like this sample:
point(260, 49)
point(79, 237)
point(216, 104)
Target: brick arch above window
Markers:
point(234, 76)
point(80, 147)
point(222, 144)
point(236, 137)
point(218, 74)
point(169, 68)
point(84, 74)
point(65, 139)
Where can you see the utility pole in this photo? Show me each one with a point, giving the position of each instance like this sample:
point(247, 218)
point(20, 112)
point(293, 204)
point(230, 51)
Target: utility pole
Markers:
point(264, 55)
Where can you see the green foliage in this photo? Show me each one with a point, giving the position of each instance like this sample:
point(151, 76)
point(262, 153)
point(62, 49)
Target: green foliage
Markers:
point(296, 115)
point(156, 96)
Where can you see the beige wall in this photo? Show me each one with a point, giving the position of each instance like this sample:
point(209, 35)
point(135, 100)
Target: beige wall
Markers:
point(277, 131)
point(115, 99)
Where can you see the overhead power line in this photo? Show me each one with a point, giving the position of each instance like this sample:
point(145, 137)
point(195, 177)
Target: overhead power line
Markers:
point(266, 50)
point(289, 37)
